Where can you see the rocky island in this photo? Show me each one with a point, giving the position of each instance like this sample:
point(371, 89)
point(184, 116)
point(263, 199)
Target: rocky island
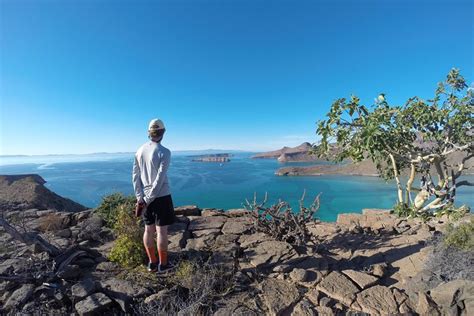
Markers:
point(212, 158)
point(53, 260)
point(289, 154)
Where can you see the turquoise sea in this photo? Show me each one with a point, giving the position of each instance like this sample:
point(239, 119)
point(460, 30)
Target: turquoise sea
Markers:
point(87, 178)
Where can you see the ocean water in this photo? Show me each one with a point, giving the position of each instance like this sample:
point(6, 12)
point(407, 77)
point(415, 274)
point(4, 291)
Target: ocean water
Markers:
point(87, 178)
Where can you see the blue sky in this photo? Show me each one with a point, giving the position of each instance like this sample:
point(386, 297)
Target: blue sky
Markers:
point(87, 76)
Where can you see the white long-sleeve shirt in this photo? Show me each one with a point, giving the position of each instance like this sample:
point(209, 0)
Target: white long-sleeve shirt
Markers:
point(150, 167)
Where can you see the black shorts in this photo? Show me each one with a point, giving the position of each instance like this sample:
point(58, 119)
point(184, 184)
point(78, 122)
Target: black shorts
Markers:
point(160, 212)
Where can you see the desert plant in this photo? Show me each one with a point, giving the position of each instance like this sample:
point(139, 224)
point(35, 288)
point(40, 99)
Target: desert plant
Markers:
point(192, 290)
point(418, 137)
point(128, 250)
point(461, 236)
point(453, 255)
point(109, 207)
point(281, 222)
point(52, 222)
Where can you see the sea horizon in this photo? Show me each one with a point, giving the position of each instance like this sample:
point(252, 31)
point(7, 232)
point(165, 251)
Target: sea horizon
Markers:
point(88, 178)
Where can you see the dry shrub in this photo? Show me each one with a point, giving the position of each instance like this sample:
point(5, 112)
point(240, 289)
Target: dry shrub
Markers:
point(453, 254)
point(193, 289)
point(282, 223)
point(52, 222)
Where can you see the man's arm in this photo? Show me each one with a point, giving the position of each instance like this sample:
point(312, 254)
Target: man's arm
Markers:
point(160, 177)
point(137, 181)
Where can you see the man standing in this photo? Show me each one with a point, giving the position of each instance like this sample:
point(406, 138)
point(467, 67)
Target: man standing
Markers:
point(150, 182)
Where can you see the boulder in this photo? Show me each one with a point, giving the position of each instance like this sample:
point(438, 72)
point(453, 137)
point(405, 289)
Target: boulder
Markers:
point(212, 212)
point(304, 308)
point(269, 253)
point(339, 287)
point(253, 239)
point(122, 291)
point(211, 222)
point(204, 232)
point(236, 212)
point(363, 280)
point(123, 286)
point(187, 210)
point(66, 233)
point(299, 275)
point(178, 240)
point(450, 294)
point(157, 298)
point(313, 296)
point(377, 300)
point(426, 306)
point(10, 265)
point(202, 243)
point(83, 289)
point(19, 296)
point(93, 304)
point(324, 310)
point(237, 226)
point(278, 295)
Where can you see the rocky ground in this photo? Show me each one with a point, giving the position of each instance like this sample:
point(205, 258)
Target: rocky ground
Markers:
point(364, 263)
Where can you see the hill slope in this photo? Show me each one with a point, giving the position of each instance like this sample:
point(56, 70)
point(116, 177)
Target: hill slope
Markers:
point(28, 191)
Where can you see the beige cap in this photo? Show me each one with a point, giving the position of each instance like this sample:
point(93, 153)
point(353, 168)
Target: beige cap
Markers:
point(156, 124)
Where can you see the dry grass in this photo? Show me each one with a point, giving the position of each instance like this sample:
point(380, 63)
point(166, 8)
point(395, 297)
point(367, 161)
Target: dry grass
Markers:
point(51, 222)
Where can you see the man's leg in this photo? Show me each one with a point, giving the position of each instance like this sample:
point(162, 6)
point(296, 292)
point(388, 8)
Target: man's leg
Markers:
point(162, 241)
point(149, 242)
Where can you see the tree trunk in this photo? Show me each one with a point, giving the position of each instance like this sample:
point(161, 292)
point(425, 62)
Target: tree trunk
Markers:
point(397, 179)
point(410, 184)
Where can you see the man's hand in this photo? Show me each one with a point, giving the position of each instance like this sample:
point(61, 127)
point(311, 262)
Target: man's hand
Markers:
point(139, 207)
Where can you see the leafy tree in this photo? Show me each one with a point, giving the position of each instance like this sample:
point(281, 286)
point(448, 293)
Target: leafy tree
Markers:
point(416, 138)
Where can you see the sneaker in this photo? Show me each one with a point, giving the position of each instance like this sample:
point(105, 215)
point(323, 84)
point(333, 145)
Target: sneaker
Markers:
point(152, 266)
point(165, 268)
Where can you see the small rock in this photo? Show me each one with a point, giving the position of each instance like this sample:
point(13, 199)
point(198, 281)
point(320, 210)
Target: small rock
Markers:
point(304, 308)
point(156, 298)
point(299, 275)
point(313, 296)
point(326, 301)
point(323, 310)
point(106, 266)
point(83, 288)
point(363, 280)
point(379, 269)
point(339, 306)
point(94, 304)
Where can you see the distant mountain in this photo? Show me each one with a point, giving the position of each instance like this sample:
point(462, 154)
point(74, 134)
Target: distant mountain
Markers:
point(289, 154)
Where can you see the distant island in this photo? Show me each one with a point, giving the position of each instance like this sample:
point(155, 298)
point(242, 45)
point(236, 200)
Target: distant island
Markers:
point(321, 167)
point(289, 154)
point(224, 157)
